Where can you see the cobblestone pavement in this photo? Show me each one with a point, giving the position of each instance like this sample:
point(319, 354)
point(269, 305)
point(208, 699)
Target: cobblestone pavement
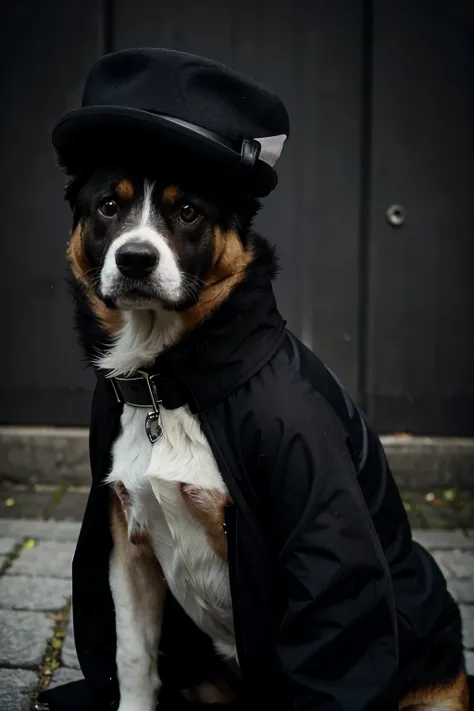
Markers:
point(36, 636)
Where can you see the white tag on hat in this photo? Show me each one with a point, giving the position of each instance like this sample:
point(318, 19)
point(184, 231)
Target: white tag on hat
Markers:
point(272, 147)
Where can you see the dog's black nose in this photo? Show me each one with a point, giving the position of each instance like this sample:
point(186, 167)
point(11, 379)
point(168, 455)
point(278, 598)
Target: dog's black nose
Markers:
point(136, 259)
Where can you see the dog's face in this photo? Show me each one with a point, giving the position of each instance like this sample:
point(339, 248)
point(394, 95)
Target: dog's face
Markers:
point(138, 242)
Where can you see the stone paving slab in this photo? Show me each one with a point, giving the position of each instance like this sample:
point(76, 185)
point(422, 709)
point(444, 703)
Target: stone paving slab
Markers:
point(462, 590)
point(467, 614)
point(57, 455)
point(12, 683)
point(23, 638)
point(45, 530)
point(27, 504)
point(458, 568)
point(71, 507)
point(20, 592)
point(8, 544)
point(470, 662)
point(64, 676)
point(68, 652)
point(442, 558)
point(48, 559)
point(456, 563)
point(61, 455)
point(444, 540)
point(462, 564)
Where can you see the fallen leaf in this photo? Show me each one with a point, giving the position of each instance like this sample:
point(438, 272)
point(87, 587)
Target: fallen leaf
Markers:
point(56, 644)
point(10, 502)
point(57, 617)
point(29, 543)
point(449, 494)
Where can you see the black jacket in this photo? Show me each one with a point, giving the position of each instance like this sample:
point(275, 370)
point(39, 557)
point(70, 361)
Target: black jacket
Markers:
point(328, 589)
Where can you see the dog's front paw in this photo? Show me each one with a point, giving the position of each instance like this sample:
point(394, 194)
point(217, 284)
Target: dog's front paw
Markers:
point(138, 703)
point(136, 706)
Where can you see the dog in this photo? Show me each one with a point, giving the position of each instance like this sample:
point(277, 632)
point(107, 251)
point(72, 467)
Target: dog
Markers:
point(185, 269)
point(155, 259)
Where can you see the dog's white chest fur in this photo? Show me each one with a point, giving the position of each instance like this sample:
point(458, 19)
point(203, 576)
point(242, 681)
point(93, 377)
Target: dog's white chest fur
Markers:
point(197, 577)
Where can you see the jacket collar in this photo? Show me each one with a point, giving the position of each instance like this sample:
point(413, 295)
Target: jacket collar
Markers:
point(227, 350)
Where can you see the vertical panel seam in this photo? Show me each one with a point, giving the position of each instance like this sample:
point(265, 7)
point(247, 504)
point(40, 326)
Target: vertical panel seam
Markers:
point(365, 202)
point(106, 26)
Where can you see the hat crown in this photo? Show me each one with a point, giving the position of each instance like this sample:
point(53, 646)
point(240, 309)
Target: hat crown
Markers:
point(151, 107)
point(187, 87)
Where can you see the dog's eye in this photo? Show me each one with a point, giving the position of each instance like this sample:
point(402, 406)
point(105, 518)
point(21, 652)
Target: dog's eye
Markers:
point(188, 214)
point(108, 209)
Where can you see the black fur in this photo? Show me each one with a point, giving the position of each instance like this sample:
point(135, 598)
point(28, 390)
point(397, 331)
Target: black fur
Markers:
point(92, 339)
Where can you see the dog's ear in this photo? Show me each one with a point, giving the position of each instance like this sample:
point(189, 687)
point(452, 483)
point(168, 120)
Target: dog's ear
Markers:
point(249, 209)
point(71, 190)
point(74, 185)
point(242, 218)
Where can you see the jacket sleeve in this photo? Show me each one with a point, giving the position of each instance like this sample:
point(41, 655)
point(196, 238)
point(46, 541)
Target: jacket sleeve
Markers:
point(334, 617)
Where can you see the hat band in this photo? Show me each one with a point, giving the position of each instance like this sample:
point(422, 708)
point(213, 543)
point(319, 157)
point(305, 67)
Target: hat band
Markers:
point(267, 149)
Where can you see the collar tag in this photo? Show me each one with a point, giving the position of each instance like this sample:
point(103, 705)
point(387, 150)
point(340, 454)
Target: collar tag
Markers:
point(153, 426)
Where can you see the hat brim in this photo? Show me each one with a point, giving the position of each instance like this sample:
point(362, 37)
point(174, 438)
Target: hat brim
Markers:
point(81, 135)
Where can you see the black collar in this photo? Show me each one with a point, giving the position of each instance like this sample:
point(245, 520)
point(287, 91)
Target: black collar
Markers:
point(149, 390)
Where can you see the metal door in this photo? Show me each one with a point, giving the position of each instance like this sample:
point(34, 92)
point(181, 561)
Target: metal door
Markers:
point(419, 358)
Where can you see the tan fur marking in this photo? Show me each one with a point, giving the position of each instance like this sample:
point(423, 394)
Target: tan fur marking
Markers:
point(141, 538)
point(443, 697)
point(75, 255)
point(231, 260)
point(171, 193)
point(207, 505)
point(125, 190)
point(137, 559)
point(110, 320)
point(217, 691)
point(219, 247)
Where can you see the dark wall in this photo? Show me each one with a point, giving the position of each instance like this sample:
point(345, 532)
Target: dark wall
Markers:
point(45, 51)
point(420, 357)
point(381, 103)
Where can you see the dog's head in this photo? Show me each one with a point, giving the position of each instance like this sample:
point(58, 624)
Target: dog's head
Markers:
point(142, 243)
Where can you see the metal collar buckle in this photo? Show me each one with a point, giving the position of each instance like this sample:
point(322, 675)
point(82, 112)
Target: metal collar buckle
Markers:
point(153, 425)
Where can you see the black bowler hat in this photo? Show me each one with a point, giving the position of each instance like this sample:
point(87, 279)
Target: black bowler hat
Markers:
point(166, 101)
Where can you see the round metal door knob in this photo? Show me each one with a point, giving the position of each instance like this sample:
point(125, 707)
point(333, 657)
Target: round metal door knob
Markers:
point(396, 215)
